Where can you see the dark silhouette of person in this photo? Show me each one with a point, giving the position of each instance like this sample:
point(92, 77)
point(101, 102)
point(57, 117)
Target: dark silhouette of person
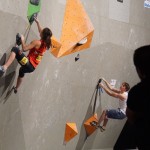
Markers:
point(136, 131)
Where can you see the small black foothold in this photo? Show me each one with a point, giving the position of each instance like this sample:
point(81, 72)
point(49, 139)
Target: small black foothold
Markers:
point(77, 57)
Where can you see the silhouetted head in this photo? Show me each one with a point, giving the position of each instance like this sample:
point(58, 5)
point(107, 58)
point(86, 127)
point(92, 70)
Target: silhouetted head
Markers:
point(141, 60)
point(46, 35)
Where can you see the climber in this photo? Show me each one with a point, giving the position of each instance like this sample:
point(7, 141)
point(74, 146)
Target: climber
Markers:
point(36, 50)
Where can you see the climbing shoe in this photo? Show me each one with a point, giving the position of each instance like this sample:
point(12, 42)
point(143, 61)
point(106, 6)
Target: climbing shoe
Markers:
point(102, 128)
point(15, 90)
point(2, 69)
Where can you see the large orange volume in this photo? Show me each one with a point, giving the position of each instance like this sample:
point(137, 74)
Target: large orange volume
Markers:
point(76, 27)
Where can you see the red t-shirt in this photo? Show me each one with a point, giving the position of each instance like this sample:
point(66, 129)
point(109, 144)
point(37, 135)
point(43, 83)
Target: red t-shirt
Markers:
point(35, 55)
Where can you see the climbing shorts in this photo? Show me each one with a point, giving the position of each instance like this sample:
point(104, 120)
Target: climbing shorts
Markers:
point(21, 58)
point(115, 114)
point(26, 69)
point(26, 66)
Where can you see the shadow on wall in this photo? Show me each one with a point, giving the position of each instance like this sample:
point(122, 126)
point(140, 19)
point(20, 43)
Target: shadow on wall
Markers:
point(7, 79)
point(2, 62)
point(83, 135)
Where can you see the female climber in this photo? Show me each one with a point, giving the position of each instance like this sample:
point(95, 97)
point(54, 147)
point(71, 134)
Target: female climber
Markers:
point(36, 49)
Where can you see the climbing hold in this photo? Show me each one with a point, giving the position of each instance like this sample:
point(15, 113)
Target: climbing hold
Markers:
point(77, 57)
point(18, 39)
point(35, 2)
point(100, 80)
point(34, 7)
point(55, 46)
point(70, 132)
point(88, 127)
point(83, 41)
point(77, 30)
point(31, 20)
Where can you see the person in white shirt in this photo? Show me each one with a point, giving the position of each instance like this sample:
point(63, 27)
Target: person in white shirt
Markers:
point(119, 113)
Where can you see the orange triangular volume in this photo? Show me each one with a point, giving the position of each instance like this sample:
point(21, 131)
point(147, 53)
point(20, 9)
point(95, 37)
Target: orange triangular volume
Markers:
point(76, 26)
point(55, 46)
point(70, 132)
point(90, 129)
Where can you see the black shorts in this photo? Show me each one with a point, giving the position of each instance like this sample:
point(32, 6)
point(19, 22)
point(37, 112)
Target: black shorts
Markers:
point(26, 66)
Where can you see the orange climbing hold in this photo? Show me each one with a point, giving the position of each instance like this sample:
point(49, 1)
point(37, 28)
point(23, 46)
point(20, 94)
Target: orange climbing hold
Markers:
point(88, 127)
point(55, 46)
point(70, 132)
point(76, 27)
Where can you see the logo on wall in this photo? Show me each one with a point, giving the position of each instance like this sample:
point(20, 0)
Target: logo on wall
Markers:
point(147, 3)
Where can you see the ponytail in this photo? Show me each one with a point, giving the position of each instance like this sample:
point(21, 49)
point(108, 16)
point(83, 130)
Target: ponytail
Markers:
point(46, 37)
